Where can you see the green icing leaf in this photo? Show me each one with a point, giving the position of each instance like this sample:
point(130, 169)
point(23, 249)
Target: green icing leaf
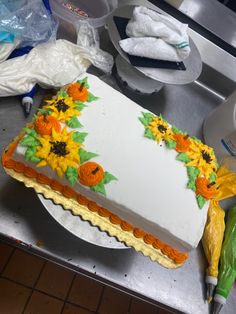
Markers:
point(74, 123)
point(213, 177)
point(85, 156)
point(99, 188)
point(143, 121)
point(191, 185)
point(79, 137)
point(148, 115)
point(44, 111)
point(30, 132)
point(71, 175)
point(91, 97)
point(201, 201)
point(148, 134)
point(29, 140)
point(160, 115)
point(192, 175)
point(176, 130)
point(170, 144)
point(217, 164)
point(193, 172)
point(85, 81)
point(108, 177)
point(80, 105)
point(196, 139)
point(30, 154)
point(35, 159)
point(62, 93)
point(183, 157)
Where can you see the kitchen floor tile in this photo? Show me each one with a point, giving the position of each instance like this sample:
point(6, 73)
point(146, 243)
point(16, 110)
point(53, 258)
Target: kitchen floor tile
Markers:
point(5, 252)
point(72, 309)
point(40, 303)
point(13, 297)
point(141, 307)
point(23, 268)
point(55, 280)
point(115, 301)
point(85, 292)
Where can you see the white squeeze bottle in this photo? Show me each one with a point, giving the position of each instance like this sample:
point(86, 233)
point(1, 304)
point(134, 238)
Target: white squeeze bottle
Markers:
point(219, 129)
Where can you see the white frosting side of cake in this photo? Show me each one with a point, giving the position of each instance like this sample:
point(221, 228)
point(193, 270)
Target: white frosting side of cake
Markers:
point(151, 189)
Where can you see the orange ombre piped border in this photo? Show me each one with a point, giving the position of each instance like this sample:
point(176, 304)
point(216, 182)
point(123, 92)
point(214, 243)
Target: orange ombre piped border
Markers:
point(175, 255)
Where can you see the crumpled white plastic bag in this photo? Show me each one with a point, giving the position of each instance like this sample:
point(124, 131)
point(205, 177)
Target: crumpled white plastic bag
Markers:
point(50, 65)
point(88, 37)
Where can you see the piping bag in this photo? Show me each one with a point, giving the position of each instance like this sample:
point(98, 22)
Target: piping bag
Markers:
point(227, 273)
point(215, 226)
point(27, 99)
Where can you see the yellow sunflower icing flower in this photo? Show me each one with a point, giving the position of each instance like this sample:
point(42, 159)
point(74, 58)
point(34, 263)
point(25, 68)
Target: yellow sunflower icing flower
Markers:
point(58, 151)
point(62, 108)
point(202, 157)
point(160, 129)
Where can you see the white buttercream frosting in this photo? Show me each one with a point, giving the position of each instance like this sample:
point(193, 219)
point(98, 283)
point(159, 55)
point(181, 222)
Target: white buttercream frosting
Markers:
point(151, 190)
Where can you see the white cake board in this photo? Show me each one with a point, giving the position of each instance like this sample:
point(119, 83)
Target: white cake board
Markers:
point(193, 63)
point(80, 228)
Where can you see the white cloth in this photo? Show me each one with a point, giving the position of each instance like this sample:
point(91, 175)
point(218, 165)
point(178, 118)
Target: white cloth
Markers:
point(156, 36)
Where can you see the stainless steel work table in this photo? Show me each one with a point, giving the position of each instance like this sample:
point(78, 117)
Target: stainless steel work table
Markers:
point(26, 223)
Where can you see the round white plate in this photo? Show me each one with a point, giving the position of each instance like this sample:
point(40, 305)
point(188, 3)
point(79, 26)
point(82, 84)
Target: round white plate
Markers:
point(80, 228)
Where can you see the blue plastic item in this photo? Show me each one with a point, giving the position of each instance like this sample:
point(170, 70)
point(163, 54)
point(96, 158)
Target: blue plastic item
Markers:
point(6, 37)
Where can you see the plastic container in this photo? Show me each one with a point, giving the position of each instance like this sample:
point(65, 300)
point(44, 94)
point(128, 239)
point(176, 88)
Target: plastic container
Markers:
point(220, 128)
point(70, 12)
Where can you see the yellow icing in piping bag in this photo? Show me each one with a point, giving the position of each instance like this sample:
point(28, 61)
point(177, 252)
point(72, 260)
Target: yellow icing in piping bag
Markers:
point(215, 226)
point(212, 242)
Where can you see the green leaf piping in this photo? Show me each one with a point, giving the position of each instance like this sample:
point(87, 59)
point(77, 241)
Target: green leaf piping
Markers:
point(74, 123)
point(148, 134)
point(99, 188)
point(170, 144)
point(176, 130)
point(85, 81)
point(79, 137)
point(80, 105)
point(183, 157)
point(29, 140)
point(201, 201)
point(71, 175)
point(212, 177)
point(85, 156)
point(91, 97)
point(108, 177)
point(62, 93)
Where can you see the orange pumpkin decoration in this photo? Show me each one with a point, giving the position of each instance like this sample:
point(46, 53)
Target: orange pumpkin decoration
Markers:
point(205, 188)
point(44, 124)
point(182, 143)
point(78, 91)
point(90, 173)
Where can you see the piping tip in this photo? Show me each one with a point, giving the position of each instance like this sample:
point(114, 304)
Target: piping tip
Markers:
point(27, 108)
point(217, 307)
point(210, 292)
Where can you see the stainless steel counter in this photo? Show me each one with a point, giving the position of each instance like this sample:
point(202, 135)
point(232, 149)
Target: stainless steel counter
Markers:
point(23, 218)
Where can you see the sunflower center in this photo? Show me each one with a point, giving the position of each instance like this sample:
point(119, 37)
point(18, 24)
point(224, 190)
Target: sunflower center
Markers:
point(162, 128)
point(59, 148)
point(61, 106)
point(206, 156)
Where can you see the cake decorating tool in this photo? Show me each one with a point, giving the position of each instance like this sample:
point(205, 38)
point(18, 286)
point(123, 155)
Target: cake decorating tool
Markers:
point(212, 243)
point(227, 272)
